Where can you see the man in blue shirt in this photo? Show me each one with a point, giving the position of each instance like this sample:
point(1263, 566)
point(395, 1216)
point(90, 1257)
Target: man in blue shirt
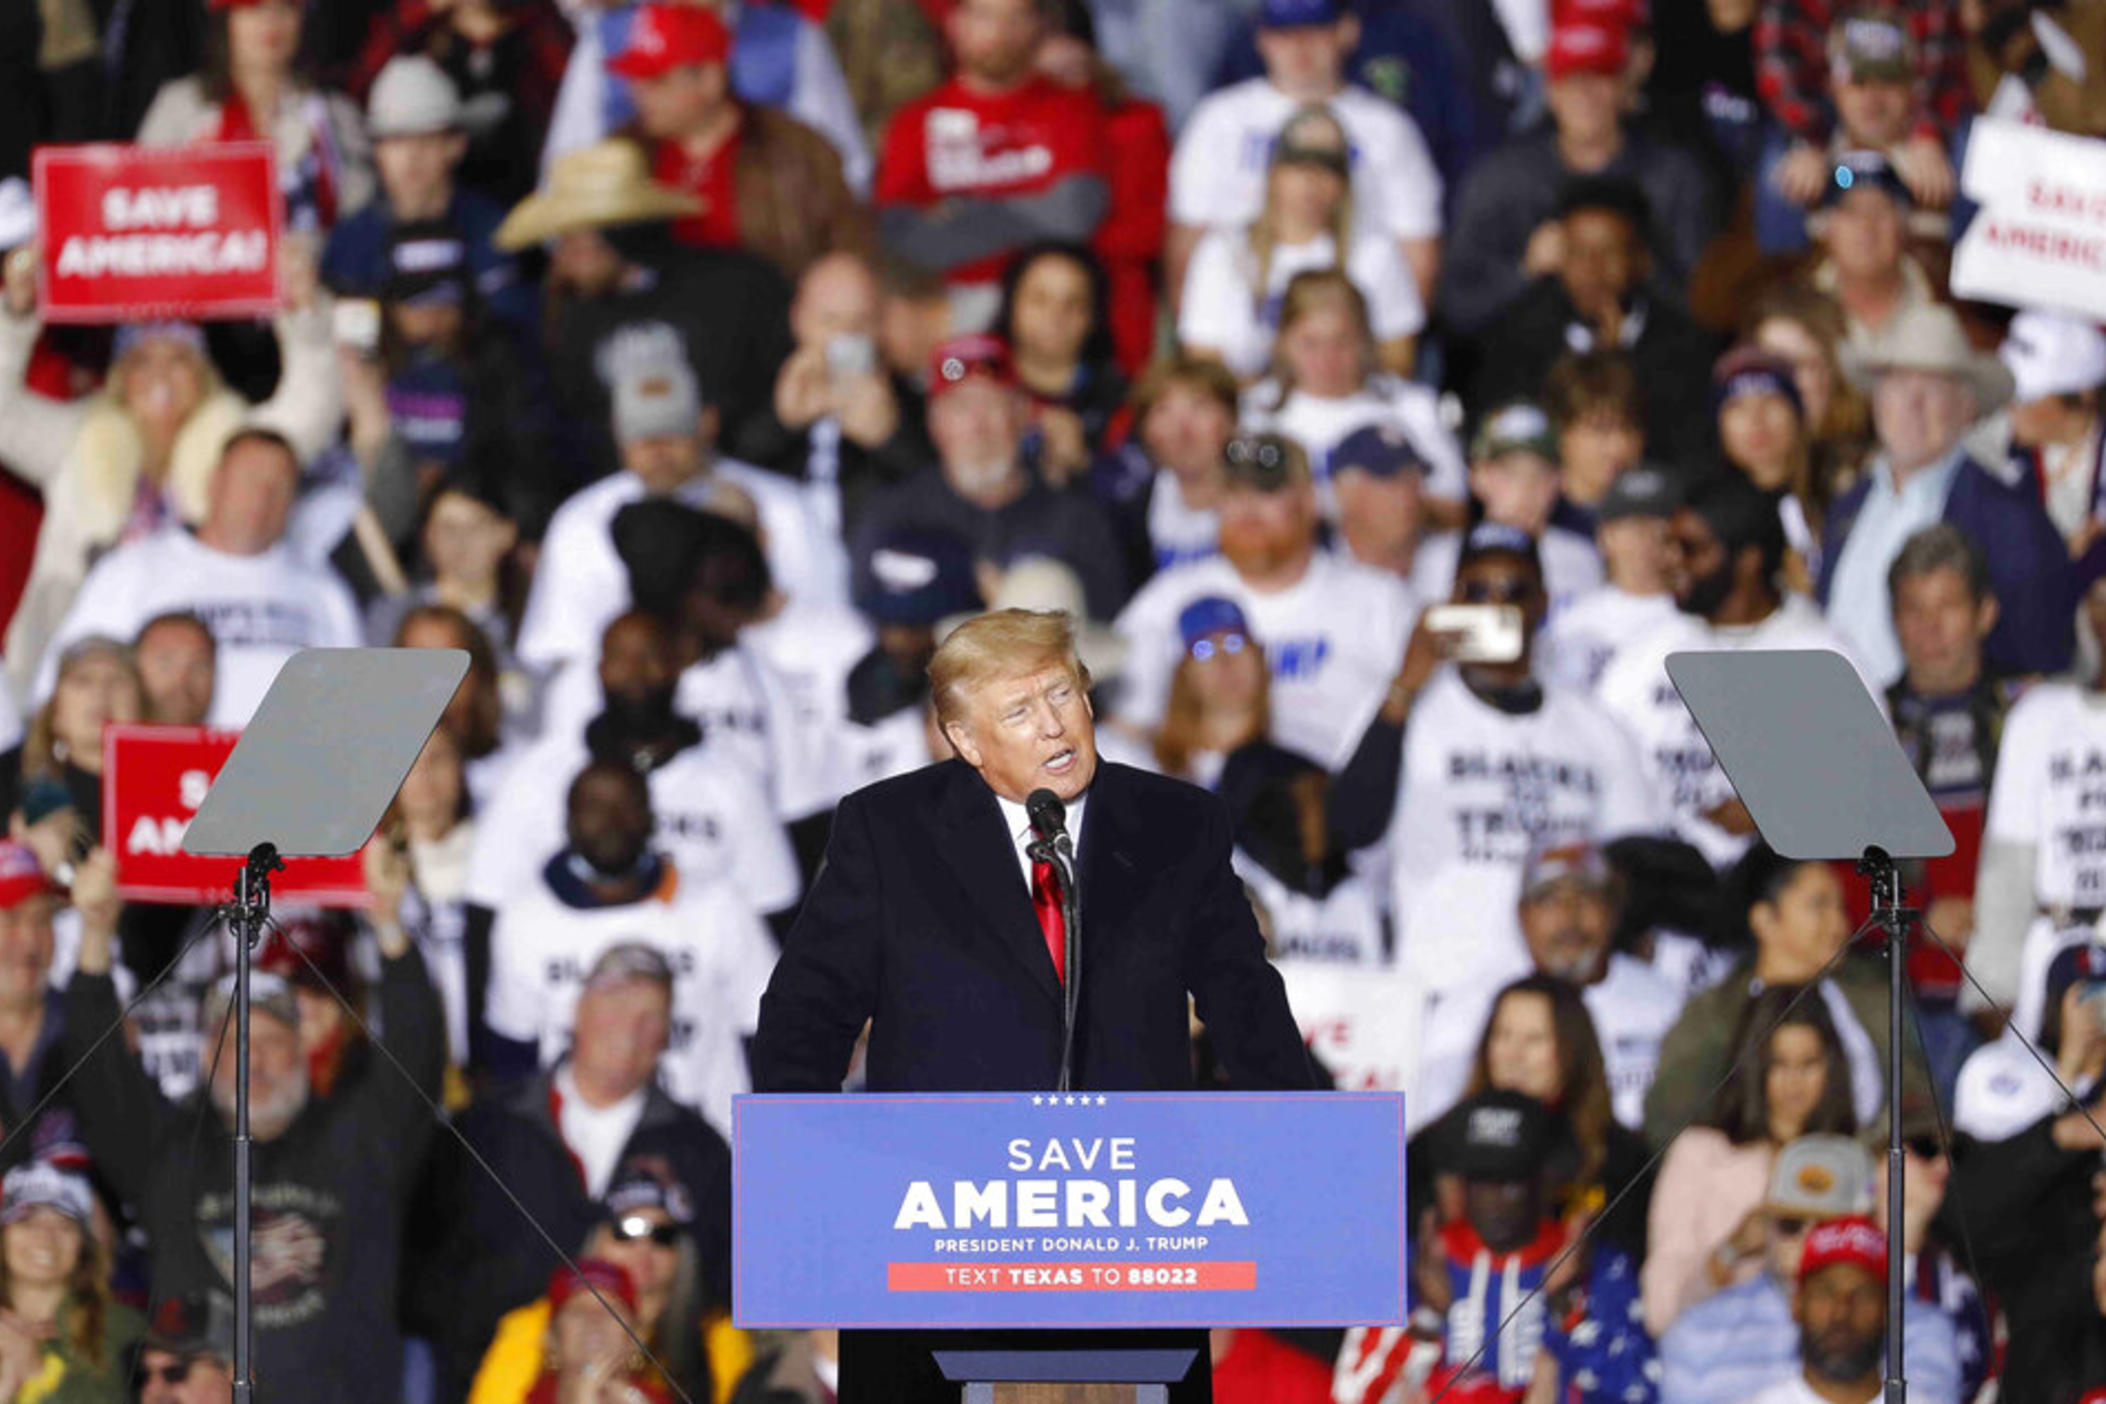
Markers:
point(419, 128)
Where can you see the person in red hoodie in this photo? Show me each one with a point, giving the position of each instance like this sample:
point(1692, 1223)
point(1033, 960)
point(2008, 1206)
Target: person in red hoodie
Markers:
point(1137, 177)
point(995, 159)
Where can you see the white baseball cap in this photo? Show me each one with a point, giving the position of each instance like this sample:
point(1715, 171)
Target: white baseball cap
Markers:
point(2052, 353)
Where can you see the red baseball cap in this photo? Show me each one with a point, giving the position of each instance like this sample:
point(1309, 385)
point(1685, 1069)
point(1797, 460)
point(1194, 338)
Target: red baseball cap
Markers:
point(612, 1280)
point(963, 357)
point(21, 875)
point(663, 37)
point(1852, 1240)
point(1587, 46)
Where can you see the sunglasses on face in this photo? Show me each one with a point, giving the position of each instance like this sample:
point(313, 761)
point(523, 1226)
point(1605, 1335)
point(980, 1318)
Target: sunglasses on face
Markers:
point(1225, 644)
point(636, 1226)
point(1792, 1228)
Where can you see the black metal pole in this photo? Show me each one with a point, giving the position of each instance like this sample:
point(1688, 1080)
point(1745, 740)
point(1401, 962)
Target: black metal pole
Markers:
point(252, 909)
point(1894, 919)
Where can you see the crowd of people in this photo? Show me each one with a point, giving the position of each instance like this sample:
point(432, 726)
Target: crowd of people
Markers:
point(697, 365)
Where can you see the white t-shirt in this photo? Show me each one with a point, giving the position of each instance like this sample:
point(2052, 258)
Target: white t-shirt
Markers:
point(712, 821)
point(1363, 1025)
point(2050, 791)
point(1480, 788)
point(1571, 567)
point(1342, 927)
point(1579, 643)
point(1223, 312)
point(1632, 1006)
point(1320, 425)
point(1218, 170)
point(1677, 759)
point(580, 587)
point(812, 649)
point(261, 609)
point(1177, 532)
point(541, 949)
point(596, 1135)
point(867, 752)
point(744, 706)
point(1334, 639)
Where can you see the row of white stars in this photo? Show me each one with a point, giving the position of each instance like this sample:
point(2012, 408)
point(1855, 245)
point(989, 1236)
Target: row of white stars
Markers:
point(1062, 1100)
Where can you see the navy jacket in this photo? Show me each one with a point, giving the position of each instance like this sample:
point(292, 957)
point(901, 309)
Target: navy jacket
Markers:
point(2029, 566)
point(920, 921)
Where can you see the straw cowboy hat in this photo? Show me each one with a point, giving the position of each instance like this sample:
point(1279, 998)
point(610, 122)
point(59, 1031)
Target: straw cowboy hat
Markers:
point(592, 188)
point(1929, 338)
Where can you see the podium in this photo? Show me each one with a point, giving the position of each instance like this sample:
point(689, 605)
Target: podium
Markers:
point(1029, 1215)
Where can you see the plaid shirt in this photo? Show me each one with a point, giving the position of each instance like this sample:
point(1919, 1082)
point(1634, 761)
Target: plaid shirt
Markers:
point(1791, 64)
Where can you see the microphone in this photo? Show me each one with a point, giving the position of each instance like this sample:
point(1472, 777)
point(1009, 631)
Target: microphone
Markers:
point(1049, 820)
point(1049, 817)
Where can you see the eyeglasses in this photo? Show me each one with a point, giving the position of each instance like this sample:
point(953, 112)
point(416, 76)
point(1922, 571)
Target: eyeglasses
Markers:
point(1791, 1228)
point(1262, 453)
point(1229, 644)
point(1498, 591)
point(636, 1226)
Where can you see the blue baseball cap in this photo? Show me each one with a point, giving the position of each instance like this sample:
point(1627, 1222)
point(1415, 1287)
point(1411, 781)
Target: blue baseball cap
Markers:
point(1210, 615)
point(1499, 539)
point(1378, 450)
point(1294, 14)
point(917, 578)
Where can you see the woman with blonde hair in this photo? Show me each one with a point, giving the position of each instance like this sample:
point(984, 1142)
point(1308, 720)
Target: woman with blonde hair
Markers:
point(139, 456)
point(97, 685)
point(1327, 380)
point(62, 1339)
point(1237, 278)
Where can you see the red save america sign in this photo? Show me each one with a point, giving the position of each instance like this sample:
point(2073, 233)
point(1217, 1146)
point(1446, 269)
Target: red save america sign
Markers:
point(153, 780)
point(133, 233)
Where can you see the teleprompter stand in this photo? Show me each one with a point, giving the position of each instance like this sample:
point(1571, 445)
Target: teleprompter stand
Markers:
point(1824, 779)
point(314, 772)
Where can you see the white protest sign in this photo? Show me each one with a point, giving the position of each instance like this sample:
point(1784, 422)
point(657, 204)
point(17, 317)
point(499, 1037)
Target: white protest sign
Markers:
point(2040, 239)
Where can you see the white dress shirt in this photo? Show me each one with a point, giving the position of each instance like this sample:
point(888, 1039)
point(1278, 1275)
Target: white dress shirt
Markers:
point(1858, 605)
point(1022, 835)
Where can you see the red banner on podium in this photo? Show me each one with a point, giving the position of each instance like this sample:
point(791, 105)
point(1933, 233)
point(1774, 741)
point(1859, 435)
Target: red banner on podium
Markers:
point(132, 233)
point(153, 780)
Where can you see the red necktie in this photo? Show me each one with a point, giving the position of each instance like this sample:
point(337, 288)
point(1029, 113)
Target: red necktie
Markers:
point(1045, 900)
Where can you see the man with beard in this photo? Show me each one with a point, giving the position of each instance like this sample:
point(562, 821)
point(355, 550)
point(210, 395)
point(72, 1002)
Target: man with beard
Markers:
point(1500, 1302)
point(981, 489)
point(1493, 763)
point(1725, 548)
point(1841, 1308)
point(1744, 1337)
point(607, 887)
point(712, 813)
point(1570, 904)
point(331, 1172)
point(1333, 629)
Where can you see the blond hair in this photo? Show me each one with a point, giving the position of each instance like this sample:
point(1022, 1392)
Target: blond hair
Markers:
point(1000, 643)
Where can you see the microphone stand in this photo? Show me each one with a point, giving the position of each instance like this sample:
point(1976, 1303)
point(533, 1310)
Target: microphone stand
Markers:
point(1891, 915)
point(1058, 853)
point(252, 911)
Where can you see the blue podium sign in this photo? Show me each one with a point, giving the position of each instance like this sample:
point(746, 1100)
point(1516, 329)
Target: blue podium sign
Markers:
point(1055, 1210)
